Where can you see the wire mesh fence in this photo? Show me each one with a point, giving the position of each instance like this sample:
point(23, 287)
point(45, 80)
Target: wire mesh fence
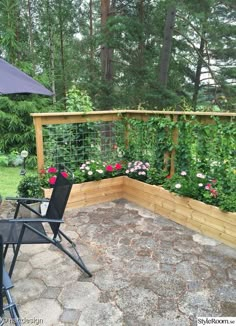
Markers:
point(172, 145)
point(73, 144)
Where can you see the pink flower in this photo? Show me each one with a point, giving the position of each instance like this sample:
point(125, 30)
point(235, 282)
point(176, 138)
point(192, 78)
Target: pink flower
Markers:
point(208, 186)
point(109, 168)
point(65, 174)
point(52, 180)
point(118, 166)
point(52, 170)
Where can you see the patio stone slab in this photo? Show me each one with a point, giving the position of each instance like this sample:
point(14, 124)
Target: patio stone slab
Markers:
point(28, 289)
point(41, 312)
point(147, 271)
point(104, 314)
point(79, 295)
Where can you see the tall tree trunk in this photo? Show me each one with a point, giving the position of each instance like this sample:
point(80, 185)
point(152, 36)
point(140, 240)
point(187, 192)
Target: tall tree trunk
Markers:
point(62, 52)
point(198, 72)
point(141, 40)
point(51, 53)
point(106, 52)
point(167, 45)
point(91, 29)
point(31, 40)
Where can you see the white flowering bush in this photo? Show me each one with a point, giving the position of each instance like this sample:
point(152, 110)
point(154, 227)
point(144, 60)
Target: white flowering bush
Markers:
point(96, 170)
point(137, 170)
point(93, 170)
point(195, 185)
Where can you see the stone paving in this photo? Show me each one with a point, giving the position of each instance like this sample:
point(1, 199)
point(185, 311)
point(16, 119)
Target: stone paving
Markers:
point(146, 270)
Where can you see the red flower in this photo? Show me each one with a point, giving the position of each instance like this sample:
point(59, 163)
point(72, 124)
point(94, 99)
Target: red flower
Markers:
point(65, 174)
point(213, 180)
point(52, 180)
point(214, 193)
point(52, 170)
point(109, 168)
point(168, 177)
point(43, 171)
point(118, 166)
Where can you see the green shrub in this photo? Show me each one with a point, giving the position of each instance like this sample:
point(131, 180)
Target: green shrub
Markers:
point(30, 187)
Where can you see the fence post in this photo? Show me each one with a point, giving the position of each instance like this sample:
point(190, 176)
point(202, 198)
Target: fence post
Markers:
point(175, 135)
point(39, 141)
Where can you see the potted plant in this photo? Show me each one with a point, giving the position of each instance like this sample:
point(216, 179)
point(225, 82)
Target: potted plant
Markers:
point(30, 187)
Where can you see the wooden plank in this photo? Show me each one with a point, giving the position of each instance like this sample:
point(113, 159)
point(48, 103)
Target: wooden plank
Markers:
point(137, 112)
point(205, 220)
point(39, 143)
point(92, 192)
point(212, 211)
point(96, 200)
point(77, 117)
point(146, 204)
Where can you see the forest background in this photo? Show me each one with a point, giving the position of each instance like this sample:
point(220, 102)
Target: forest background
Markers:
point(117, 54)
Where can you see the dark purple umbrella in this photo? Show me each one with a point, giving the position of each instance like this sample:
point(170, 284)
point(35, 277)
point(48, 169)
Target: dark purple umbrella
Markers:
point(15, 81)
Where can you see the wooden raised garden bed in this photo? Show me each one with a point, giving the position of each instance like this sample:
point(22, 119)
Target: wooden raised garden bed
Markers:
point(205, 219)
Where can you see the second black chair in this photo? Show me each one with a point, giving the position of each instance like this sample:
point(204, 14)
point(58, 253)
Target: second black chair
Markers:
point(5, 294)
point(18, 231)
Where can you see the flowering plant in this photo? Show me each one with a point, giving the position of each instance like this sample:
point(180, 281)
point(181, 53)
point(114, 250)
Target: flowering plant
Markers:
point(137, 170)
point(97, 170)
point(195, 185)
point(48, 176)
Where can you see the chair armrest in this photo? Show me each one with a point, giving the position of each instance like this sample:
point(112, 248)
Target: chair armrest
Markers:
point(28, 199)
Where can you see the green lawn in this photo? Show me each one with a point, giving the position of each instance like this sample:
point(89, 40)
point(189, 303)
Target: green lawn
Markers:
point(9, 180)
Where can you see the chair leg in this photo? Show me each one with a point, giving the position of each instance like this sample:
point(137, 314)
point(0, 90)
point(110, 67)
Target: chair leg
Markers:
point(5, 250)
point(16, 250)
point(78, 261)
point(12, 308)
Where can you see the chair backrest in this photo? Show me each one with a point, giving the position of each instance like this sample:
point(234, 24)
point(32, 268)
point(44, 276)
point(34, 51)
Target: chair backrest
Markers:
point(1, 276)
point(58, 201)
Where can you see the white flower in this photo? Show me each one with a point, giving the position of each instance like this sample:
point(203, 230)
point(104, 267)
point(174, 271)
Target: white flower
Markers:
point(201, 176)
point(87, 168)
point(127, 171)
point(200, 185)
point(183, 173)
point(90, 172)
point(132, 170)
point(99, 171)
point(178, 186)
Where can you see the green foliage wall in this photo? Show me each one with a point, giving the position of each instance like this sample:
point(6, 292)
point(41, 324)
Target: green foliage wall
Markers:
point(63, 42)
point(16, 124)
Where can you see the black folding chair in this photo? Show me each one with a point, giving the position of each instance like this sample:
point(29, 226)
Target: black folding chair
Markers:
point(18, 231)
point(6, 286)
